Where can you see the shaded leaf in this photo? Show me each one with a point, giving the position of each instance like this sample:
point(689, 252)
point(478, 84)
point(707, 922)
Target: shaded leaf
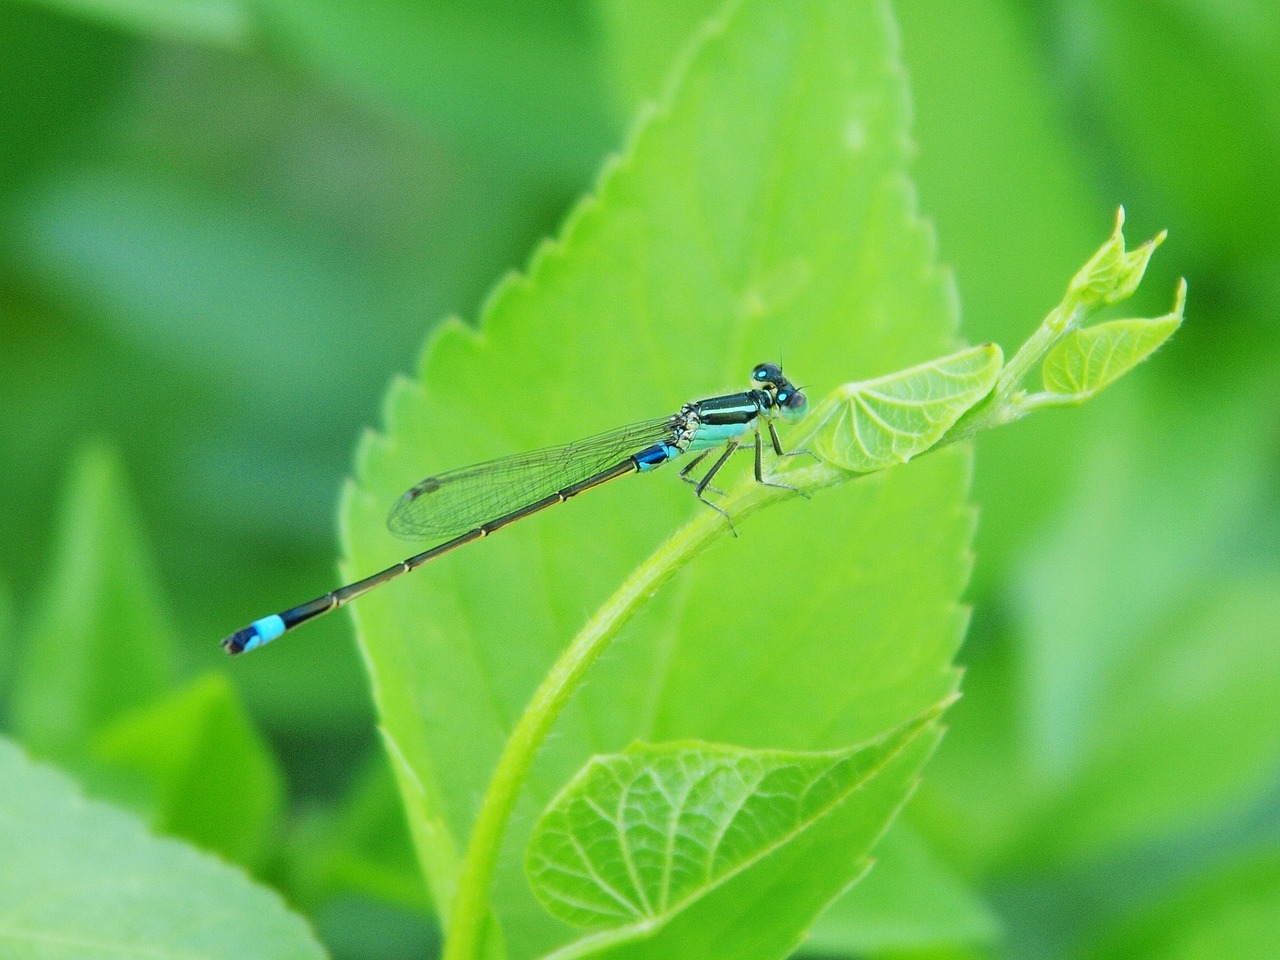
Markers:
point(1149, 649)
point(7, 638)
point(1231, 914)
point(636, 837)
point(521, 79)
point(879, 423)
point(82, 879)
point(1156, 86)
point(99, 641)
point(218, 22)
point(208, 776)
point(974, 802)
point(56, 75)
point(359, 845)
point(1136, 514)
point(1187, 723)
point(910, 900)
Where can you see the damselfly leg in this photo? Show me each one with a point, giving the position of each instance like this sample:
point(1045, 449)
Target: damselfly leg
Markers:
point(699, 490)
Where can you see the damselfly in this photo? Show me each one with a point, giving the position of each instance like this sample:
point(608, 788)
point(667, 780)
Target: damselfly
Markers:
point(472, 502)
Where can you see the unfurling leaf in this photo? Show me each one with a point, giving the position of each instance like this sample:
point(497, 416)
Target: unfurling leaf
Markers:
point(638, 836)
point(1113, 273)
point(878, 423)
point(1089, 360)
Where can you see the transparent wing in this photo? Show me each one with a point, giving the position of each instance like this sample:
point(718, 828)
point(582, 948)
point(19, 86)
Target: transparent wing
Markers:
point(451, 503)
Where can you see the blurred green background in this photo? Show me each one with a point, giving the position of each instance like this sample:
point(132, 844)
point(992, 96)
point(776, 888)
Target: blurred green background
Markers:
point(224, 224)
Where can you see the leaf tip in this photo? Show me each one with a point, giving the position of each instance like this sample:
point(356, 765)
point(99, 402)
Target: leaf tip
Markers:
point(1113, 273)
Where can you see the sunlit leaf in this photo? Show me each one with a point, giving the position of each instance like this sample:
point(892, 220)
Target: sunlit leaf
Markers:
point(878, 423)
point(84, 880)
point(714, 243)
point(637, 837)
point(1113, 272)
point(642, 43)
point(776, 895)
point(1088, 360)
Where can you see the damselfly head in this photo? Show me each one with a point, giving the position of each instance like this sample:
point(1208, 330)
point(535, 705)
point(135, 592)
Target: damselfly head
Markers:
point(788, 397)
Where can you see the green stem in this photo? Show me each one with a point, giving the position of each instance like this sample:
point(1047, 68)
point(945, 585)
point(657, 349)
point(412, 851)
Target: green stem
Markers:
point(1008, 401)
point(471, 902)
point(1057, 325)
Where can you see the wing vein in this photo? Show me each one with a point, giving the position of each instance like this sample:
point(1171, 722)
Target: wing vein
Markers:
point(451, 503)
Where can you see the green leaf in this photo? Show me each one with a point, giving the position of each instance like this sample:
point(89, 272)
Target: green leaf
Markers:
point(99, 642)
point(1112, 273)
point(642, 43)
point(359, 845)
point(1187, 724)
point(438, 850)
point(1232, 914)
point(879, 423)
point(1156, 86)
point(520, 79)
point(208, 776)
point(215, 22)
point(82, 879)
point(7, 638)
point(739, 224)
point(1147, 671)
point(1089, 360)
point(777, 895)
point(911, 900)
point(980, 65)
point(637, 837)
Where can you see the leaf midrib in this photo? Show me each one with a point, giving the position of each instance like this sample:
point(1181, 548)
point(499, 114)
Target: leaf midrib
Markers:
point(616, 935)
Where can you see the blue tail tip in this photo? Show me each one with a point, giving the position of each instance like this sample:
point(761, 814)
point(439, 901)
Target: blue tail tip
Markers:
point(240, 641)
point(255, 635)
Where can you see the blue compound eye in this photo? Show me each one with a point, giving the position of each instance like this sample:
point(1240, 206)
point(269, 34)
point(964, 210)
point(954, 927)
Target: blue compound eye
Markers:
point(767, 373)
point(782, 396)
